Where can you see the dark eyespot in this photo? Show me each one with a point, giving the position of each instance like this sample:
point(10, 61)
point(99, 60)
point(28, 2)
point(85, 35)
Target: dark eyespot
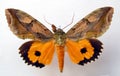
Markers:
point(83, 50)
point(37, 53)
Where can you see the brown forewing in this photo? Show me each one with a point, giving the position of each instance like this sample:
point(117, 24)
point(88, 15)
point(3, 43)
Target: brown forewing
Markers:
point(93, 25)
point(25, 26)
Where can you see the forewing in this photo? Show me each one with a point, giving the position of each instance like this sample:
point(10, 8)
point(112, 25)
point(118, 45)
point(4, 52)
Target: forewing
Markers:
point(83, 51)
point(25, 26)
point(37, 53)
point(93, 25)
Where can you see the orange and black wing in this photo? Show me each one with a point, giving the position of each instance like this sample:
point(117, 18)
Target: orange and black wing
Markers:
point(37, 53)
point(83, 51)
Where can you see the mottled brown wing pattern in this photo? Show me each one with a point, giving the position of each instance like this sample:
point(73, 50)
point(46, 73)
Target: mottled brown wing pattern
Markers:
point(93, 25)
point(25, 26)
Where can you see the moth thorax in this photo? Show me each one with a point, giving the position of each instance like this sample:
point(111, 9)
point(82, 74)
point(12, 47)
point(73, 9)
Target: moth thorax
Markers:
point(60, 37)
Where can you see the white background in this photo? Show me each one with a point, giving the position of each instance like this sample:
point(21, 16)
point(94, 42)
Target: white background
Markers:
point(59, 12)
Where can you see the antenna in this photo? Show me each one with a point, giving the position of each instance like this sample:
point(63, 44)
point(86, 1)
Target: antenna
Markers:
point(53, 26)
point(70, 22)
point(47, 21)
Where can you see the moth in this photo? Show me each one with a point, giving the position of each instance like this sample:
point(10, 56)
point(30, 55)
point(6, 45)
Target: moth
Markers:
point(80, 42)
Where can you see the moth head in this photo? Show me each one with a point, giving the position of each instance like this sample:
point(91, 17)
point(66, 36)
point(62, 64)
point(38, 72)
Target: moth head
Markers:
point(57, 30)
point(54, 28)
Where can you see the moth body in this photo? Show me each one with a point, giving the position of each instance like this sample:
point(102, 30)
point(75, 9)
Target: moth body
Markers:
point(60, 39)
